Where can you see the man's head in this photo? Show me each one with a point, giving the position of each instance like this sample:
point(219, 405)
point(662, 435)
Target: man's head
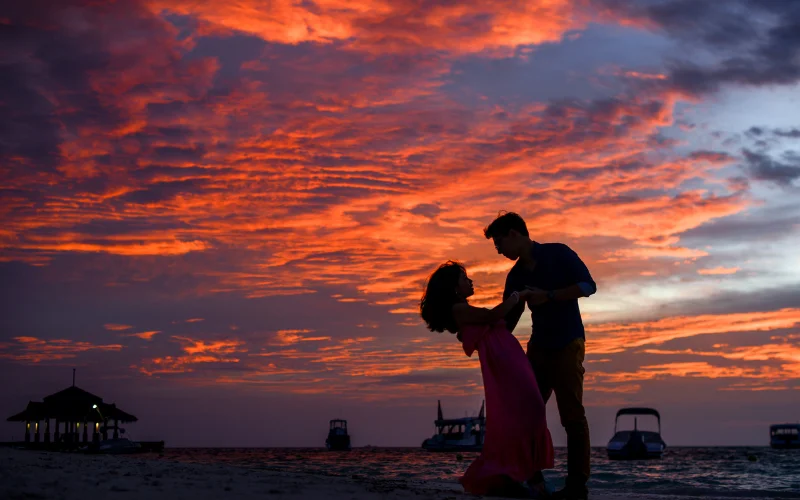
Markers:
point(510, 235)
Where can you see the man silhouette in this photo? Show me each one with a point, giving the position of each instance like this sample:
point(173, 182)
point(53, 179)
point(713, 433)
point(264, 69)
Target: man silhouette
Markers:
point(556, 348)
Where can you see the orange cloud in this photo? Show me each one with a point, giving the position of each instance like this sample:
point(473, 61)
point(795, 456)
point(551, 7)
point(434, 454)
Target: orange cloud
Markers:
point(752, 376)
point(616, 337)
point(116, 327)
point(781, 352)
point(191, 346)
point(144, 335)
point(394, 26)
point(289, 337)
point(715, 271)
point(645, 76)
point(131, 249)
point(197, 352)
point(35, 350)
point(756, 378)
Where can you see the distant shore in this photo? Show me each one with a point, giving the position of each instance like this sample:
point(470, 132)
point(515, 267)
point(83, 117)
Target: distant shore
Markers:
point(43, 475)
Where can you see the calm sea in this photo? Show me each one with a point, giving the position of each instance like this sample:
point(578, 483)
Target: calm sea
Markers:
point(730, 472)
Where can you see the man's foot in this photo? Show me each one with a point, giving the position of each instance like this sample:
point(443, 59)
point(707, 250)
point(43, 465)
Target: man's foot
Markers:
point(571, 493)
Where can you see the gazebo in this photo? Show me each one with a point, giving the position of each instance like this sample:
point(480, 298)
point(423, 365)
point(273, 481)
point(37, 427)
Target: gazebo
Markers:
point(76, 409)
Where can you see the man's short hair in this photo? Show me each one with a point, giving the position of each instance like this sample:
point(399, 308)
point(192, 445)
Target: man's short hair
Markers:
point(504, 223)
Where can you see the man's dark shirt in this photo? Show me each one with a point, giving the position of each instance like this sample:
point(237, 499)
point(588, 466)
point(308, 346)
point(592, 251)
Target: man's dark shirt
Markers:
point(555, 323)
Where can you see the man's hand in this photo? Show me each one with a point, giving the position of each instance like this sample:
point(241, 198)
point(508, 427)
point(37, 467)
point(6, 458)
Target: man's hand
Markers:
point(535, 296)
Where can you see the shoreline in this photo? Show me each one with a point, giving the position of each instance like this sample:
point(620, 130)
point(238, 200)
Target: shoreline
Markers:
point(29, 474)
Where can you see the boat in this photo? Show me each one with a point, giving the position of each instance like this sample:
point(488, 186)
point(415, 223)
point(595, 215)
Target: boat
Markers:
point(338, 439)
point(784, 436)
point(457, 434)
point(635, 444)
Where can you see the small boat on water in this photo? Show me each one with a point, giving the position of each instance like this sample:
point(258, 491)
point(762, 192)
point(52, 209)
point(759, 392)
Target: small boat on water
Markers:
point(338, 439)
point(635, 444)
point(457, 434)
point(784, 436)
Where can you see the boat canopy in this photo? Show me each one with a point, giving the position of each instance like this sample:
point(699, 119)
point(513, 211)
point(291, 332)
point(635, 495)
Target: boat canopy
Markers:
point(338, 423)
point(638, 411)
point(440, 420)
point(775, 427)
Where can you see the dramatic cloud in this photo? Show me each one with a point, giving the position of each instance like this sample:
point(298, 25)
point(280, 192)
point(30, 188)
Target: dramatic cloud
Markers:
point(764, 168)
point(251, 196)
point(377, 25)
point(754, 43)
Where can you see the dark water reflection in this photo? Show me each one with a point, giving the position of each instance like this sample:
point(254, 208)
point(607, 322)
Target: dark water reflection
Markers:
point(734, 472)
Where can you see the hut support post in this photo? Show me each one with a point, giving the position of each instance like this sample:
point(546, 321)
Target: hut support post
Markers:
point(85, 432)
point(47, 430)
point(57, 433)
point(36, 437)
point(27, 432)
point(105, 429)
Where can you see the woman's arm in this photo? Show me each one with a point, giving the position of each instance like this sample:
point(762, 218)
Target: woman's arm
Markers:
point(466, 314)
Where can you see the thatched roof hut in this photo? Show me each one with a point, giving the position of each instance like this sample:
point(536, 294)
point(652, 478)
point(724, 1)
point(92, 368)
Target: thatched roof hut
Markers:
point(73, 407)
point(72, 404)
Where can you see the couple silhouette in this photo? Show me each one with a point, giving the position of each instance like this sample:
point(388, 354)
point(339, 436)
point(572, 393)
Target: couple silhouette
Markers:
point(549, 278)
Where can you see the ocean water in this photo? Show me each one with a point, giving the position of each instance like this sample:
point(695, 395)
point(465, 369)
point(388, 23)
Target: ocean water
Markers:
point(734, 472)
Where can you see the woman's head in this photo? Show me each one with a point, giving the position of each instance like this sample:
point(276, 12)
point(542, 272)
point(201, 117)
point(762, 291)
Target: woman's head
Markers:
point(447, 286)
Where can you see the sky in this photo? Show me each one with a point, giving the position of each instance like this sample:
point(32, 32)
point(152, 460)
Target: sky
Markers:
point(222, 214)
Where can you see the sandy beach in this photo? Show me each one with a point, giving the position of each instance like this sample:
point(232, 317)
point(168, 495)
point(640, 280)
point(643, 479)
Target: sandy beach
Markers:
point(46, 475)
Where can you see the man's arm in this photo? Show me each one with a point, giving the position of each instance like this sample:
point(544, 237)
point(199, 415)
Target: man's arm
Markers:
point(512, 318)
point(576, 272)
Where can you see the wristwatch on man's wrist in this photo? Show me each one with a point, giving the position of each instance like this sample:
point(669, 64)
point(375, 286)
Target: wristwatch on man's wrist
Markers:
point(551, 296)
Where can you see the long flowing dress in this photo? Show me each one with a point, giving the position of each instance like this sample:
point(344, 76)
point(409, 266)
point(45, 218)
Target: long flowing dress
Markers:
point(517, 442)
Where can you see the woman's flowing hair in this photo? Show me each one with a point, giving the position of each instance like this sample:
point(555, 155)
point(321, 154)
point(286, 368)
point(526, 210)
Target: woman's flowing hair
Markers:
point(436, 306)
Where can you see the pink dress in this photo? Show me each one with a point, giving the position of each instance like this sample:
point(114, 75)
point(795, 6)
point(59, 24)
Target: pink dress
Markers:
point(517, 442)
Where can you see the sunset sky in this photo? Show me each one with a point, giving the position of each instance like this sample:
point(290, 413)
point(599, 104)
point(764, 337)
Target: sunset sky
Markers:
point(223, 213)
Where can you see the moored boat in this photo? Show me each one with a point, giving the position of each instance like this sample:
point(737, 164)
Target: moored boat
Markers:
point(457, 434)
point(784, 436)
point(338, 438)
point(636, 444)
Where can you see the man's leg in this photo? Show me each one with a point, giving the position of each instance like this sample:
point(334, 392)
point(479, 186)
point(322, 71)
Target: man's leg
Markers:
point(567, 381)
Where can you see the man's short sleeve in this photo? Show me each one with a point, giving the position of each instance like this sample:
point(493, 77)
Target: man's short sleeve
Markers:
point(574, 267)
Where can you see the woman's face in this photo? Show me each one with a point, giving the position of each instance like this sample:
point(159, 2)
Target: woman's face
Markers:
point(464, 288)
